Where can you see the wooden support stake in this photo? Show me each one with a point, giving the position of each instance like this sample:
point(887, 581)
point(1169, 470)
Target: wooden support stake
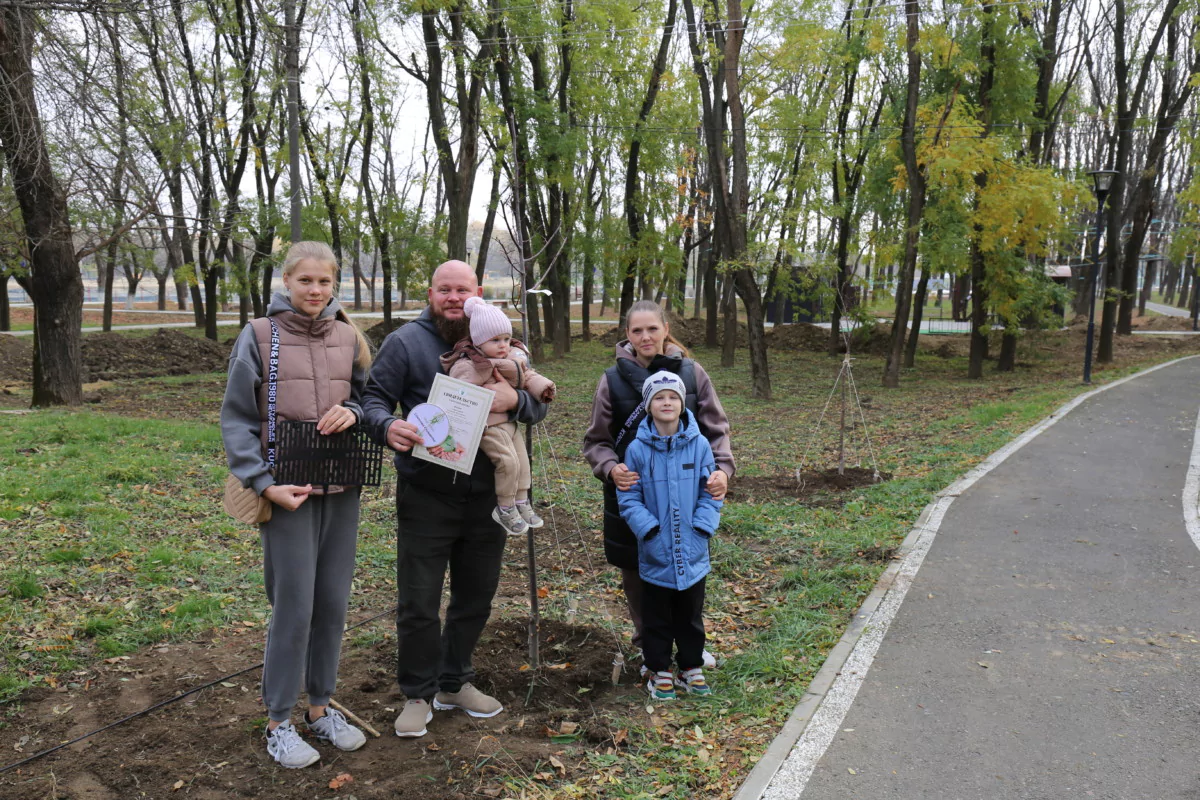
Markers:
point(350, 715)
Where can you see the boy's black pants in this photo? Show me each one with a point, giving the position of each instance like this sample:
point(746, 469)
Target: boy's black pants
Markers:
point(671, 617)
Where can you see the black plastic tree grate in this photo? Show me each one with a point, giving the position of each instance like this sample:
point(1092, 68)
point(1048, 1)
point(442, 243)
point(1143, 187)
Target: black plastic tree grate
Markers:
point(349, 458)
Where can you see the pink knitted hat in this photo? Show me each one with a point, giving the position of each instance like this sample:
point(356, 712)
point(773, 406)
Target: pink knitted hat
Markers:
point(486, 320)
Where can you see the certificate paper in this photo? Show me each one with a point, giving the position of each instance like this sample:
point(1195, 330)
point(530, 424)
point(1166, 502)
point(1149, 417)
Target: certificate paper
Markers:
point(467, 406)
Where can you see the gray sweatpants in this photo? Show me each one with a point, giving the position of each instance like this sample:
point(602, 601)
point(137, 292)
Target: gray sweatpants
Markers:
point(308, 565)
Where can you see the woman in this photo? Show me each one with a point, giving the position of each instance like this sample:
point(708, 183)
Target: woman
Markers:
point(616, 412)
point(309, 542)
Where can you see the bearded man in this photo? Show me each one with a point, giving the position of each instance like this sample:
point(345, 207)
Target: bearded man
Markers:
point(443, 517)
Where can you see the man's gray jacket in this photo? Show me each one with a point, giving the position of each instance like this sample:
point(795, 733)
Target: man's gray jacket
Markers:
point(402, 376)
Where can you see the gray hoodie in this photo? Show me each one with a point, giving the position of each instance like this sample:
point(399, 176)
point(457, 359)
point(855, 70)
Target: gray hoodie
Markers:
point(241, 421)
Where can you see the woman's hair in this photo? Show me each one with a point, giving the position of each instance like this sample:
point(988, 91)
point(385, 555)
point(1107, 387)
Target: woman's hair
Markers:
point(319, 251)
point(657, 310)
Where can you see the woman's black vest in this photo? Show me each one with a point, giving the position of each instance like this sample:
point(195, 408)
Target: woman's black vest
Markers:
point(625, 379)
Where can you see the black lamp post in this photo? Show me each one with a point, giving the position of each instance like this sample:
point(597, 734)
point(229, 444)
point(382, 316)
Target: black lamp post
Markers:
point(1102, 180)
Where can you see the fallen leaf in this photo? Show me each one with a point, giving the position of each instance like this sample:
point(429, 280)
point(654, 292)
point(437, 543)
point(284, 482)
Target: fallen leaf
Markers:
point(851, 771)
point(176, 786)
point(564, 665)
point(543, 592)
point(341, 780)
point(567, 728)
point(558, 765)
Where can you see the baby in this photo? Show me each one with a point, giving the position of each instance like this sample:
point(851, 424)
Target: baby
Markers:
point(490, 350)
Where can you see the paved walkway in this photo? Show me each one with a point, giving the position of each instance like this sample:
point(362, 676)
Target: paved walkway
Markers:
point(1168, 311)
point(1049, 645)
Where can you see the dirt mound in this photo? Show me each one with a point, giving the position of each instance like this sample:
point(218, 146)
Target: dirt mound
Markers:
point(1162, 323)
point(692, 331)
point(379, 331)
point(817, 488)
point(115, 356)
point(865, 340)
point(874, 340)
point(613, 335)
point(798, 336)
point(16, 359)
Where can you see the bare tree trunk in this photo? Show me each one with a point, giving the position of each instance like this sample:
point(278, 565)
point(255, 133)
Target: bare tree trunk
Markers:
point(1147, 285)
point(1007, 360)
point(489, 222)
point(916, 199)
point(729, 307)
point(910, 348)
point(5, 310)
point(110, 270)
point(55, 282)
point(979, 295)
point(162, 290)
point(633, 198)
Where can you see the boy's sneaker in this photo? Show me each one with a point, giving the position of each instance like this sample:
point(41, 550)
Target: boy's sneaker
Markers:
point(288, 749)
point(334, 728)
point(510, 519)
point(693, 681)
point(470, 700)
point(661, 686)
point(412, 720)
point(529, 515)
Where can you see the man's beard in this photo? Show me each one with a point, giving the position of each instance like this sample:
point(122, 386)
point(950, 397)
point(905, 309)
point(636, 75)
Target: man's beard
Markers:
point(452, 330)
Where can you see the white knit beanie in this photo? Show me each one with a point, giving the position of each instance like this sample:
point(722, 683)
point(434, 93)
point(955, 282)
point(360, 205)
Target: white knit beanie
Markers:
point(659, 382)
point(486, 320)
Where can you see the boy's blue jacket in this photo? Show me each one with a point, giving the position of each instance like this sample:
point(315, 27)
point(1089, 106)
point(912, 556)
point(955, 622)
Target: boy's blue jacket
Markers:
point(669, 509)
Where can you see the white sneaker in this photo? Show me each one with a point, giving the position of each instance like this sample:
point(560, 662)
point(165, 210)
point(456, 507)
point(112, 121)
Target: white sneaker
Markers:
point(334, 728)
point(288, 749)
point(710, 661)
point(510, 520)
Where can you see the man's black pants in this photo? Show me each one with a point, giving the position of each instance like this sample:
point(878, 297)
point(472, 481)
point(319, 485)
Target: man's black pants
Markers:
point(436, 532)
point(671, 617)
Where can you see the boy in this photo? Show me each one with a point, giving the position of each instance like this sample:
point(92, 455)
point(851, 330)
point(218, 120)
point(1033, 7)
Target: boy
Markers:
point(489, 350)
point(673, 516)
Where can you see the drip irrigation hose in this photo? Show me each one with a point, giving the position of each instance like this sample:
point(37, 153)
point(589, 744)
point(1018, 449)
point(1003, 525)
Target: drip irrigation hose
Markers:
point(160, 704)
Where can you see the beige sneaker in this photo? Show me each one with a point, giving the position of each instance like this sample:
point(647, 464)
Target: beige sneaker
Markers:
point(412, 720)
point(470, 700)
